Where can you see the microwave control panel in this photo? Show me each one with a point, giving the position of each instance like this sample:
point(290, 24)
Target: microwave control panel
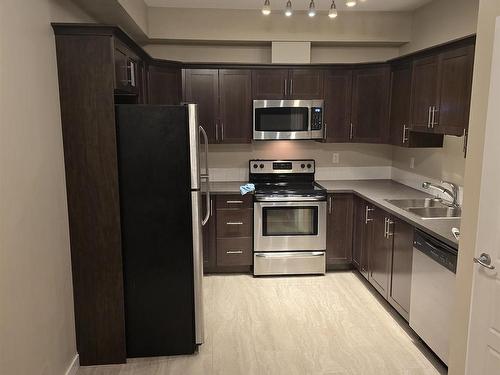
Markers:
point(316, 118)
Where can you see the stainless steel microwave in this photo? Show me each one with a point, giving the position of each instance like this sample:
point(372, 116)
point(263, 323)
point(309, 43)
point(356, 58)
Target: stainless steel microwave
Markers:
point(287, 119)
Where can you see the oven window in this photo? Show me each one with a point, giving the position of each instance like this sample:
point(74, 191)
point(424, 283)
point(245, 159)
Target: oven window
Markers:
point(290, 221)
point(285, 119)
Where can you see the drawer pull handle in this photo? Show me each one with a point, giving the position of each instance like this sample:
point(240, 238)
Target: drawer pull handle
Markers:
point(234, 252)
point(234, 223)
point(234, 202)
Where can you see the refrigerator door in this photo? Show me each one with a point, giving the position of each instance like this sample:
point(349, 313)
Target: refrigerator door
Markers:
point(198, 265)
point(158, 229)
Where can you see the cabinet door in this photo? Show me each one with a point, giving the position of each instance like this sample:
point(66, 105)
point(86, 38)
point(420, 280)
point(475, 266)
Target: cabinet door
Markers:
point(400, 104)
point(209, 239)
point(424, 92)
point(455, 80)
point(235, 88)
point(339, 229)
point(370, 105)
point(402, 254)
point(362, 235)
point(201, 86)
point(337, 95)
point(269, 83)
point(380, 252)
point(165, 85)
point(305, 84)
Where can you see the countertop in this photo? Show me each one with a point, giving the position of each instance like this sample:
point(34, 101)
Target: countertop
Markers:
point(375, 191)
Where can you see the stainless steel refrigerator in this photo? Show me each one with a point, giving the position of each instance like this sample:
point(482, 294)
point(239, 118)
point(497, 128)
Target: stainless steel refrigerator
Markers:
point(161, 180)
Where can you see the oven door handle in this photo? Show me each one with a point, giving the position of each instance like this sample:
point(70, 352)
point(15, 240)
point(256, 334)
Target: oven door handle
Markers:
point(291, 254)
point(291, 199)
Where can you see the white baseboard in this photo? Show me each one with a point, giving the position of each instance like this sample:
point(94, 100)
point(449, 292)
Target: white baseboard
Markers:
point(74, 366)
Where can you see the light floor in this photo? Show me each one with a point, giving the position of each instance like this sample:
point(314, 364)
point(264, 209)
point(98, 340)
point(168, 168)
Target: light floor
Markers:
point(295, 325)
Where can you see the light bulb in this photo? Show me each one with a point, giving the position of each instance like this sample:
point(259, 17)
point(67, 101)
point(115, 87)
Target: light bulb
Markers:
point(312, 9)
point(333, 11)
point(351, 3)
point(288, 10)
point(266, 9)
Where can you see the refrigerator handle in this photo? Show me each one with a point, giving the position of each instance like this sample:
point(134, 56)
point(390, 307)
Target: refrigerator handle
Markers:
point(206, 177)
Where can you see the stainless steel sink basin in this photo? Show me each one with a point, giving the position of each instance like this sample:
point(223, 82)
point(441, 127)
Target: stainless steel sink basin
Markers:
point(427, 208)
point(436, 212)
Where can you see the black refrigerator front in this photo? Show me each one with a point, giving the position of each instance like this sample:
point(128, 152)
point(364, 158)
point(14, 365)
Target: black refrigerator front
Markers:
point(161, 220)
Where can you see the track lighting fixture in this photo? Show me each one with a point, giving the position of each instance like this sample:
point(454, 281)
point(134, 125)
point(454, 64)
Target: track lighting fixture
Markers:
point(288, 9)
point(266, 9)
point(312, 9)
point(332, 13)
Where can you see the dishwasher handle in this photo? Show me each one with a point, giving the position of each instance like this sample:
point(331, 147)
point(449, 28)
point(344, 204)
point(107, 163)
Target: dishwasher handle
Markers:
point(441, 253)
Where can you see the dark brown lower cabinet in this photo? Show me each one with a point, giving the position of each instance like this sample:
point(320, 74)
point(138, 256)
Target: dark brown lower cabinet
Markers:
point(381, 251)
point(402, 256)
point(339, 231)
point(362, 234)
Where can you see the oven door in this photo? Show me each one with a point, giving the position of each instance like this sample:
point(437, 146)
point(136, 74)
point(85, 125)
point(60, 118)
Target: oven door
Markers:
point(289, 226)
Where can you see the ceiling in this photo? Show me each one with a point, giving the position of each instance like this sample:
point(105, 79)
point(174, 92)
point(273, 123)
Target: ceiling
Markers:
point(363, 5)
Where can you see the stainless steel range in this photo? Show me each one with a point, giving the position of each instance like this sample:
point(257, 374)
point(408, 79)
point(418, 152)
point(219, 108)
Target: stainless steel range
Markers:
point(289, 218)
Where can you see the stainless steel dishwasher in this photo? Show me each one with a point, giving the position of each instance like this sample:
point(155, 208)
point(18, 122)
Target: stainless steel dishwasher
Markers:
point(433, 292)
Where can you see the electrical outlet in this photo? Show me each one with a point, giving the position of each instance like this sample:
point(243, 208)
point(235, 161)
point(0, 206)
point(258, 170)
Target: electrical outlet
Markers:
point(335, 158)
point(412, 163)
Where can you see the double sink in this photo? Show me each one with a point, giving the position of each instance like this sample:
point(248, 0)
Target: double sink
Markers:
point(427, 208)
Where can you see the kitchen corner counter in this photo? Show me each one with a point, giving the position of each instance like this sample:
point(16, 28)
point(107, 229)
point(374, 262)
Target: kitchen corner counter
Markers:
point(226, 187)
point(377, 191)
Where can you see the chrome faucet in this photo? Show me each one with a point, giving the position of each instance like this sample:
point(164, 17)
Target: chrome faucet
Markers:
point(452, 192)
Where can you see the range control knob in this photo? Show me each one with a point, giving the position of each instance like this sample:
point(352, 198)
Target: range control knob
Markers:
point(309, 166)
point(302, 166)
point(255, 166)
point(262, 166)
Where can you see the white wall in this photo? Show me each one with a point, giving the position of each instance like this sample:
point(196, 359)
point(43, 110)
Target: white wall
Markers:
point(37, 334)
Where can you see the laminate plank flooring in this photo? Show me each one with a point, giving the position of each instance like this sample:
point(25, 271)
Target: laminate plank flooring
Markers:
point(322, 325)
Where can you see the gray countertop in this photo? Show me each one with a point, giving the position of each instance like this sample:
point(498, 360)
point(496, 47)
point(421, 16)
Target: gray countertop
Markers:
point(376, 192)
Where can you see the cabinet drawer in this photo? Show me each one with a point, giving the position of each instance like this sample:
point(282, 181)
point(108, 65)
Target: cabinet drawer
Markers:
point(235, 251)
point(235, 201)
point(234, 223)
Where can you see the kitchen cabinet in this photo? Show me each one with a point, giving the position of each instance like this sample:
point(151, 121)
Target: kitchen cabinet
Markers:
point(362, 235)
point(201, 86)
point(129, 69)
point(235, 90)
point(224, 102)
point(339, 230)
point(401, 132)
point(287, 84)
point(381, 251)
point(337, 96)
point(401, 267)
point(441, 90)
point(370, 103)
point(164, 84)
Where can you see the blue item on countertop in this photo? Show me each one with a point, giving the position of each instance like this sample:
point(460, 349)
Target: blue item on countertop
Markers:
point(247, 188)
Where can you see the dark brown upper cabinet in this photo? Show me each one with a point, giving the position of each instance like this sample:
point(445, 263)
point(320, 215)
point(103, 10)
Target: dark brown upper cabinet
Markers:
point(201, 86)
point(129, 69)
point(362, 235)
point(337, 95)
point(441, 91)
point(381, 251)
point(370, 103)
point(401, 133)
point(287, 84)
point(224, 102)
point(339, 230)
point(235, 88)
point(402, 256)
point(164, 84)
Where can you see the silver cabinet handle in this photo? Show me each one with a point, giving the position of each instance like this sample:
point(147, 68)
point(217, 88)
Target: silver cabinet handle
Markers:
point(406, 135)
point(291, 86)
point(485, 261)
point(217, 132)
point(234, 223)
point(385, 227)
point(325, 131)
point(429, 118)
point(234, 252)
point(434, 122)
point(211, 207)
point(330, 198)
point(130, 67)
point(367, 211)
point(222, 130)
point(351, 131)
point(286, 82)
point(389, 223)
point(234, 202)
